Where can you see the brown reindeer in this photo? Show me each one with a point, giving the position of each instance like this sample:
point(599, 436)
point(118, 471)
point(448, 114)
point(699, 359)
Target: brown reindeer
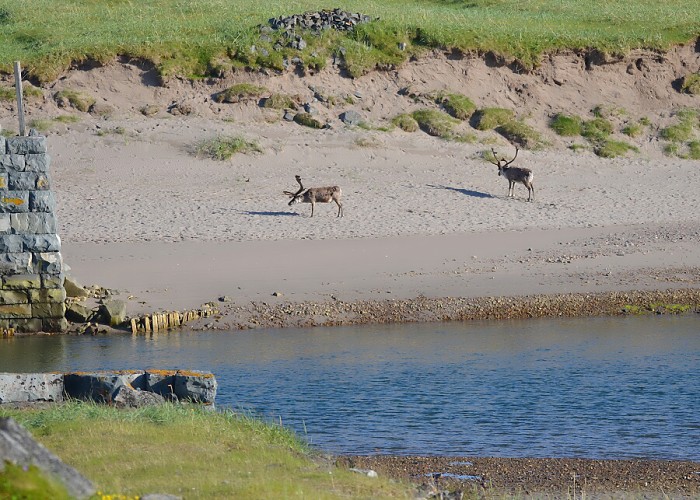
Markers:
point(515, 174)
point(316, 195)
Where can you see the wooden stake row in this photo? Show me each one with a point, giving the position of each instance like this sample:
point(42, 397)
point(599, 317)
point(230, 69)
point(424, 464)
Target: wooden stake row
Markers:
point(166, 320)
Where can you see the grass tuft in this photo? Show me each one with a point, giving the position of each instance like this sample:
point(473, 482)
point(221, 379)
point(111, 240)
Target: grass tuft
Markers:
point(434, 122)
point(240, 92)
point(457, 105)
point(520, 133)
point(280, 101)
point(223, 148)
point(597, 129)
point(405, 122)
point(691, 84)
point(308, 120)
point(612, 149)
point(565, 125)
point(490, 118)
point(75, 99)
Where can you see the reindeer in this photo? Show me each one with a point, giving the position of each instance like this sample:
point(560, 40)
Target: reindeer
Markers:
point(515, 174)
point(315, 195)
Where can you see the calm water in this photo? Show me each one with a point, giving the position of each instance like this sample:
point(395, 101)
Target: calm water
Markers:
point(603, 388)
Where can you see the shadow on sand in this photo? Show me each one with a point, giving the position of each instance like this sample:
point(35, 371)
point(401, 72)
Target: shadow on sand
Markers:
point(466, 192)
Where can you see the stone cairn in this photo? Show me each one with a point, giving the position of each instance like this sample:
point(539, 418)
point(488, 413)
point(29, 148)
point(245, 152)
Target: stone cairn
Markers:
point(32, 294)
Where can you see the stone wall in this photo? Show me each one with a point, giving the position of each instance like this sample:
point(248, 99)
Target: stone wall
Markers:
point(32, 295)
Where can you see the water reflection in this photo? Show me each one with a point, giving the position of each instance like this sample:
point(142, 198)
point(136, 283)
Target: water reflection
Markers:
point(607, 388)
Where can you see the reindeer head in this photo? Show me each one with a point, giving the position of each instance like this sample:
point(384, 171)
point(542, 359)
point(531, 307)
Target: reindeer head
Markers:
point(502, 163)
point(297, 197)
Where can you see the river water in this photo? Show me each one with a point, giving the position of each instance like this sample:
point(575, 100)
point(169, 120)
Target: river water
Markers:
point(595, 388)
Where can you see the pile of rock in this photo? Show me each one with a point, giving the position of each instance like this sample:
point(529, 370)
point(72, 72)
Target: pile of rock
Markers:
point(318, 21)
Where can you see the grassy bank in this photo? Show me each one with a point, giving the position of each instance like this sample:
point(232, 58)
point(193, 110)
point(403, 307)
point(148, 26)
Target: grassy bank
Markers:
point(207, 37)
point(191, 452)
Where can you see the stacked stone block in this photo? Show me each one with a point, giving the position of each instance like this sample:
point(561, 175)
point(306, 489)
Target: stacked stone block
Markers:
point(32, 296)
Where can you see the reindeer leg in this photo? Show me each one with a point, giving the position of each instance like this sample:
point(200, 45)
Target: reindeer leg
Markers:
point(340, 209)
point(312, 208)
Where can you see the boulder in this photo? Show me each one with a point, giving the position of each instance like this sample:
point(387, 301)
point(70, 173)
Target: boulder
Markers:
point(127, 397)
point(114, 312)
point(74, 289)
point(78, 313)
point(352, 118)
point(101, 386)
point(18, 446)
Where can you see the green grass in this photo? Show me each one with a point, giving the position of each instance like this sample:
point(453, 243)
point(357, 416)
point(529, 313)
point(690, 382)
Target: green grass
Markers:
point(280, 101)
point(612, 149)
point(78, 100)
point(490, 118)
point(519, 132)
point(435, 122)
point(307, 120)
point(597, 129)
point(683, 130)
point(211, 37)
point(457, 105)
point(691, 84)
point(192, 452)
point(224, 147)
point(28, 92)
point(18, 483)
point(566, 126)
point(405, 122)
point(634, 129)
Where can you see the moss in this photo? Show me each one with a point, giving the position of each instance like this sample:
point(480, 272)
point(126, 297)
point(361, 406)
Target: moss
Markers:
point(405, 122)
point(490, 118)
point(31, 483)
point(565, 125)
point(240, 92)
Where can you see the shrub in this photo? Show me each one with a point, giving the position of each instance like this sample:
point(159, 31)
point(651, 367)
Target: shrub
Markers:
point(691, 84)
point(457, 105)
point(612, 149)
point(597, 129)
point(405, 122)
point(490, 118)
point(434, 122)
point(223, 148)
point(78, 100)
point(565, 125)
point(520, 133)
point(307, 120)
point(240, 92)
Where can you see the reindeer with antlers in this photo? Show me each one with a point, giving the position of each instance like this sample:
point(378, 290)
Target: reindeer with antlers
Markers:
point(515, 174)
point(315, 195)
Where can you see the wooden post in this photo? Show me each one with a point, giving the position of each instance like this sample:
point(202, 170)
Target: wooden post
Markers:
point(20, 103)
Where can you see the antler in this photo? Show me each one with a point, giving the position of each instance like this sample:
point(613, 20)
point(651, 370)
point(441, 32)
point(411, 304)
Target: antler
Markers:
point(495, 157)
point(511, 161)
point(301, 187)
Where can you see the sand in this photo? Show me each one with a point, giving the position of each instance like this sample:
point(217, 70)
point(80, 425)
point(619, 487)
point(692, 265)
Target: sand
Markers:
point(423, 217)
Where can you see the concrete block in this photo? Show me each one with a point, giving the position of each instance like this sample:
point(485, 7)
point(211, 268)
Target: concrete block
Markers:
point(11, 243)
point(32, 223)
point(3, 145)
point(22, 181)
point(14, 297)
point(26, 145)
point(16, 201)
point(101, 386)
point(43, 182)
point(12, 311)
point(49, 262)
point(12, 163)
point(53, 325)
point(16, 263)
point(195, 386)
point(21, 281)
point(37, 162)
point(41, 243)
point(46, 295)
point(5, 223)
point(52, 280)
point(4, 180)
point(24, 387)
point(41, 201)
point(48, 310)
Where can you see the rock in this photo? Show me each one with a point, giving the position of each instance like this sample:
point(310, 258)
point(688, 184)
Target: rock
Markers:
point(160, 496)
point(30, 387)
point(351, 117)
point(128, 397)
point(101, 387)
point(18, 446)
point(184, 385)
point(73, 288)
point(78, 313)
point(114, 312)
